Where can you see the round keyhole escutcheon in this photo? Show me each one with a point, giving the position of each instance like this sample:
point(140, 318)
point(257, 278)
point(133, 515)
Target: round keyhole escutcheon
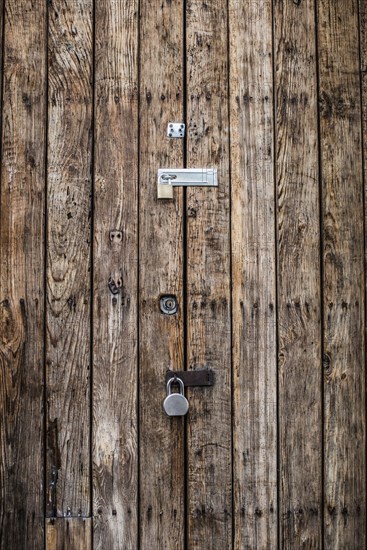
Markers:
point(168, 304)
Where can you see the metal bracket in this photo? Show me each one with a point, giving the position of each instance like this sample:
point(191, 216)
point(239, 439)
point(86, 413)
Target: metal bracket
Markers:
point(202, 377)
point(184, 177)
point(176, 130)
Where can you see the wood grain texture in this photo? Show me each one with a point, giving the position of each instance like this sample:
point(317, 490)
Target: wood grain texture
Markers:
point(68, 258)
point(343, 282)
point(160, 259)
point(2, 20)
point(363, 70)
point(69, 534)
point(115, 452)
point(254, 277)
point(208, 279)
point(22, 206)
point(294, 290)
point(299, 329)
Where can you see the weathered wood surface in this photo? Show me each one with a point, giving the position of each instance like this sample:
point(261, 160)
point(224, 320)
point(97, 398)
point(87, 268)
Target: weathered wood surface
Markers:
point(254, 277)
point(363, 69)
point(298, 225)
point(115, 323)
point(69, 534)
point(161, 439)
point(209, 451)
point(2, 19)
point(343, 276)
point(22, 207)
point(68, 257)
point(269, 267)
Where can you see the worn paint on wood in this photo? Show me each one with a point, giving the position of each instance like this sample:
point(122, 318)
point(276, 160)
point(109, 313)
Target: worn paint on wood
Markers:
point(254, 277)
point(343, 276)
point(268, 271)
point(298, 226)
point(68, 257)
point(22, 207)
point(115, 445)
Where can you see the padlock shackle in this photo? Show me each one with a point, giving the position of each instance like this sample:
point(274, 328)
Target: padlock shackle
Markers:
point(180, 382)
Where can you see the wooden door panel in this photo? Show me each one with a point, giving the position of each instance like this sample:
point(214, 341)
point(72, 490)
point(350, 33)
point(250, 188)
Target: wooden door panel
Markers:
point(209, 445)
point(343, 276)
point(115, 270)
point(22, 212)
point(161, 439)
point(254, 308)
point(267, 269)
point(299, 308)
point(68, 293)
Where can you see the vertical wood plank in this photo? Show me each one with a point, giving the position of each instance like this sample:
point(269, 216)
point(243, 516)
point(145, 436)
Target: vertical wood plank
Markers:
point(208, 279)
point(68, 257)
point(22, 208)
point(254, 276)
point(343, 257)
point(363, 71)
point(300, 428)
point(160, 260)
point(2, 20)
point(69, 534)
point(115, 460)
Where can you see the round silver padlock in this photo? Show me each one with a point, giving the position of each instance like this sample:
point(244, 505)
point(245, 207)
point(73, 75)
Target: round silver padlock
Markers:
point(175, 404)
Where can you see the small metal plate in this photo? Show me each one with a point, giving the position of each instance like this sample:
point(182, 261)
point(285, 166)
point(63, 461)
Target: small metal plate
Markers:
point(202, 377)
point(175, 130)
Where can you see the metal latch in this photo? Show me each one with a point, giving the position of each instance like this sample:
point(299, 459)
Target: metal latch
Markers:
point(184, 177)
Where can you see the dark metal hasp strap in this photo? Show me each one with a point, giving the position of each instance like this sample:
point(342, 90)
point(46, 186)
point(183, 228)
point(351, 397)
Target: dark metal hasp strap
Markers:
point(202, 377)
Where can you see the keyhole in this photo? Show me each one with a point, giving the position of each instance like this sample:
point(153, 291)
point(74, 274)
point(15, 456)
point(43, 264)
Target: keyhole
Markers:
point(168, 304)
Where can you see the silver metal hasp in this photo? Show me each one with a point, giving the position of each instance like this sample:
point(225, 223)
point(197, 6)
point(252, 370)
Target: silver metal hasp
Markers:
point(184, 177)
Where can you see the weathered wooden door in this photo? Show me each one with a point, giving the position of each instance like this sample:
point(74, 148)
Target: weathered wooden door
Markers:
point(267, 270)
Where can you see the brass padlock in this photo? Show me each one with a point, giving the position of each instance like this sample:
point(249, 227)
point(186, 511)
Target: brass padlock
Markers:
point(175, 404)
